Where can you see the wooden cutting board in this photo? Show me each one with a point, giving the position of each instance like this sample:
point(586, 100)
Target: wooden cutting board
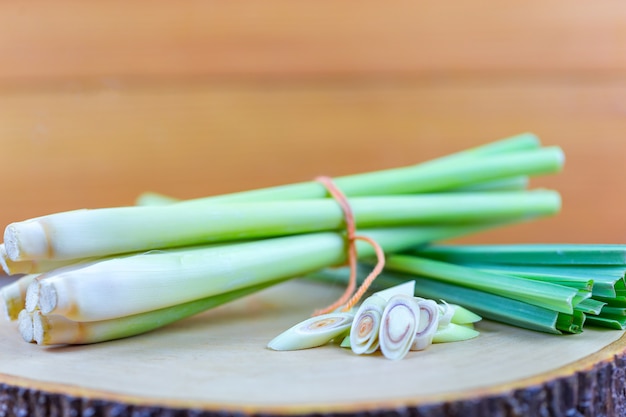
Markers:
point(217, 362)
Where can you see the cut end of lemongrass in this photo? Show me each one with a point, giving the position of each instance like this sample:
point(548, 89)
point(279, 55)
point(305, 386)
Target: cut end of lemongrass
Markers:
point(428, 324)
point(46, 297)
point(463, 316)
point(55, 330)
point(26, 240)
point(32, 296)
point(25, 326)
point(10, 305)
point(366, 325)
point(313, 332)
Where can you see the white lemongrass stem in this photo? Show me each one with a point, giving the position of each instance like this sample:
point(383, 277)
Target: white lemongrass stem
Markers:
point(313, 332)
point(25, 326)
point(102, 232)
point(428, 324)
point(398, 326)
point(366, 325)
point(29, 267)
point(454, 333)
point(13, 296)
point(55, 330)
point(123, 286)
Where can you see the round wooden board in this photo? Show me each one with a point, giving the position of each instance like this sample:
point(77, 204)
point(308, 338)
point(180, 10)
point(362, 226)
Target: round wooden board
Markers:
point(217, 363)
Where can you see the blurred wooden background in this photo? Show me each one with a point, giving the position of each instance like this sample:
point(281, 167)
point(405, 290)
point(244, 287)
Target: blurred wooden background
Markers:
point(100, 101)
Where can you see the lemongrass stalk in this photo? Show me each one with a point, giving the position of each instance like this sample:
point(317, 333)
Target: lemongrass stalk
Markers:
point(423, 178)
point(154, 199)
point(55, 330)
point(454, 333)
point(29, 267)
point(25, 326)
point(130, 285)
point(313, 332)
point(614, 311)
point(487, 305)
point(365, 328)
point(398, 326)
point(541, 294)
point(427, 326)
point(416, 178)
point(13, 296)
point(70, 235)
point(616, 323)
point(525, 254)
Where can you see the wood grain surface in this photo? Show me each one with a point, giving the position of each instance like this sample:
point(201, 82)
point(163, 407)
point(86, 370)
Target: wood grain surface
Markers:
point(100, 101)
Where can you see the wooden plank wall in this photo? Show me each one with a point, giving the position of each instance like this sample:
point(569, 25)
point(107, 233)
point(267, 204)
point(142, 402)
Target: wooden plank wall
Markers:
point(100, 101)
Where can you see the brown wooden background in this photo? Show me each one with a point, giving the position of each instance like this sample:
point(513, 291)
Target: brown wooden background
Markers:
point(100, 101)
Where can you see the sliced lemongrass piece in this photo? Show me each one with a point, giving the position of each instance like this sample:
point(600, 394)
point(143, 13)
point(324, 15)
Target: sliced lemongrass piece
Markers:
point(446, 312)
point(365, 328)
point(405, 288)
point(454, 333)
point(590, 306)
point(69, 235)
point(13, 296)
point(428, 324)
point(398, 327)
point(25, 326)
point(523, 254)
point(541, 294)
point(134, 284)
point(345, 342)
point(54, 329)
point(313, 332)
point(464, 316)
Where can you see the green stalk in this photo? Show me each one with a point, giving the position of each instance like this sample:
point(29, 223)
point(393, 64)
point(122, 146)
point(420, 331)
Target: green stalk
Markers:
point(605, 280)
point(590, 306)
point(616, 323)
point(70, 235)
point(525, 254)
point(542, 294)
point(134, 284)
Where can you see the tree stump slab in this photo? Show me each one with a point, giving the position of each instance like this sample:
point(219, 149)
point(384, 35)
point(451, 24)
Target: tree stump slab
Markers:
point(216, 364)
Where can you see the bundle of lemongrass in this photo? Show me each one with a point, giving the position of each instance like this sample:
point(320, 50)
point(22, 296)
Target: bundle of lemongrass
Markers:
point(101, 274)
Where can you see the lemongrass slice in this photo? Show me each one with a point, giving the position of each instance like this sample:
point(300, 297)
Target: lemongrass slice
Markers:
point(398, 326)
point(462, 315)
point(428, 324)
point(25, 326)
point(454, 333)
point(13, 296)
point(366, 325)
point(313, 332)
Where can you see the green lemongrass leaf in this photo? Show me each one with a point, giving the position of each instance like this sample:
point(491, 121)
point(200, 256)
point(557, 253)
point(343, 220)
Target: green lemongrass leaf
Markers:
point(398, 327)
point(313, 332)
point(367, 320)
point(13, 296)
point(69, 235)
point(463, 316)
point(590, 306)
point(618, 301)
point(454, 333)
point(618, 323)
point(613, 311)
point(55, 330)
point(523, 254)
point(103, 290)
point(489, 306)
point(542, 294)
point(605, 280)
